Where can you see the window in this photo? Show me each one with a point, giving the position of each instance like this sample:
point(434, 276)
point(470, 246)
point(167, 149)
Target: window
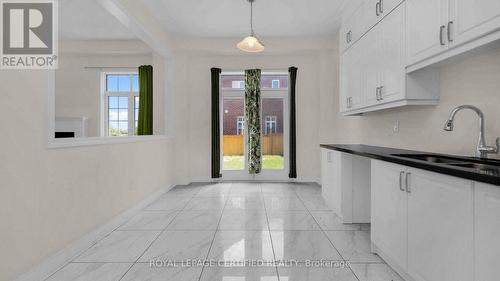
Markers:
point(240, 125)
point(270, 126)
point(238, 84)
point(121, 100)
point(275, 84)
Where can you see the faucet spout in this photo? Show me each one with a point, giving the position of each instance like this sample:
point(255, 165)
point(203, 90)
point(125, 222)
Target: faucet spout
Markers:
point(482, 149)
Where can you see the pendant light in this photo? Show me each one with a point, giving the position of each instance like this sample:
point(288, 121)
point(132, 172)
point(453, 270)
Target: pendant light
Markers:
point(250, 43)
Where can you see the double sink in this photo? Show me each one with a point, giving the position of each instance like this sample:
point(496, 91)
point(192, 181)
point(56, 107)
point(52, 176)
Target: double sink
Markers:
point(484, 166)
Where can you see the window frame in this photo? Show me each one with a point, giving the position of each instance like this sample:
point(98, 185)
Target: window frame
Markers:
point(281, 93)
point(105, 102)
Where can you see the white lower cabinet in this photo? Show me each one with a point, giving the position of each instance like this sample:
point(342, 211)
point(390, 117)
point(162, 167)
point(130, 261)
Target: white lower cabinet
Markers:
point(422, 222)
point(345, 182)
point(486, 232)
point(389, 211)
point(440, 227)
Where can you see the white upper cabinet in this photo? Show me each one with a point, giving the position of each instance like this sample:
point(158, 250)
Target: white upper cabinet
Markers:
point(361, 17)
point(486, 232)
point(426, 28)
point(352, 26)
point(391, 36)
point(351, 72)
point(386, 39)
point(470, 19)
point(372, 70)
point(436, 26)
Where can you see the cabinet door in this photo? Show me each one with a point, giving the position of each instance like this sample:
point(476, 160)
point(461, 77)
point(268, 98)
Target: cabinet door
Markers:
point(345, 77)
point(371, 66)
point(370, 17)
point(351, 29)
point(391, 33)
point(473, 18)
point(440, 227)
point(424, 18)
point(326, 179)
point(389, 211)
point(355, 78)
point(486, 232)
point(329, 177)
point(388, 5)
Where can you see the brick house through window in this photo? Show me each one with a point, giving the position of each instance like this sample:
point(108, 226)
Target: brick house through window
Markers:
point(234, 117)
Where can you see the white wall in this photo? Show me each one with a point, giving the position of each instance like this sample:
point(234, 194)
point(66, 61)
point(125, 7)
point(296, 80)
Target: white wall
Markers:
point(51, 197)
point(474, 80)
point(193, 105)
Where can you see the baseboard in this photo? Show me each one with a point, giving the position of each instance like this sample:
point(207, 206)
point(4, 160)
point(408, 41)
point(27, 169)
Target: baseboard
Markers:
point(53, 263)
point(401, 271)
point(300, 180)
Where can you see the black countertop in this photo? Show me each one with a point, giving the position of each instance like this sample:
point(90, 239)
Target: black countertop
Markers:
point(491, 175)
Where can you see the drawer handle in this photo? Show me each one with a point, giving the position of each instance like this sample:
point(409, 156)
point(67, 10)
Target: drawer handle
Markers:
point(441, 40)
point(377, 9)
point(450, 24)
point(401, 181)
point(407, 182)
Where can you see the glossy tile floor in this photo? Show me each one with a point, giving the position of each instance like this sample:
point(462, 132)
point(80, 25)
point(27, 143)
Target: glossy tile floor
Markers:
point(284, 227)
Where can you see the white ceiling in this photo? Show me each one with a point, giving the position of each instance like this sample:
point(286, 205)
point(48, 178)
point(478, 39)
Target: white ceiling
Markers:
point(88, 20)
point(230, 18)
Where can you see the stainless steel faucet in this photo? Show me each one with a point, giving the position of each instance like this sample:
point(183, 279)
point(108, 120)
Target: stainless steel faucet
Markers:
point(482, 150)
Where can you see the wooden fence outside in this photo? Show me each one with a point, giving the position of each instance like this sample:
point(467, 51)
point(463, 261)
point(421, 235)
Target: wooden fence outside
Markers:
point(271, 145)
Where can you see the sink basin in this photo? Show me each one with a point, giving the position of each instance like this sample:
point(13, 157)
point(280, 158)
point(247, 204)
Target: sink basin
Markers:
point(432, 158)
point(482, 168)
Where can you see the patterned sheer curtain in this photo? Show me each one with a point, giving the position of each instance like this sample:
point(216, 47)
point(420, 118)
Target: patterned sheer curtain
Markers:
point(252, 112)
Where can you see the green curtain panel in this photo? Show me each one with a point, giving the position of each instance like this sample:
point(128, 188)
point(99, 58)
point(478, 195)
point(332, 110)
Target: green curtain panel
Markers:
point(252, 112)
point(293, 130)
point(145, 119)
point(215, 75)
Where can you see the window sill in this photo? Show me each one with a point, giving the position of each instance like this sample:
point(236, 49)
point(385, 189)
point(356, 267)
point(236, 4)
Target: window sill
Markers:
point(66, 143)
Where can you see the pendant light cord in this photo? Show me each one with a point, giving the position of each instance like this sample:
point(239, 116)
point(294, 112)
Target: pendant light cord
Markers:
point(251, 17)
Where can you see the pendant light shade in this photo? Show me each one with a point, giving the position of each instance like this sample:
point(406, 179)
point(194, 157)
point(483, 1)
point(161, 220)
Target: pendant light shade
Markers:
point(250, 43)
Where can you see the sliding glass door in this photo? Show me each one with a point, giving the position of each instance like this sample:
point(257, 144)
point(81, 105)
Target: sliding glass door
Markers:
point(274, 127)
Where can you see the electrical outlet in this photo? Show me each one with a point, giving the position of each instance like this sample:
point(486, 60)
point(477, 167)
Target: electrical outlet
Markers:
point(395, 129)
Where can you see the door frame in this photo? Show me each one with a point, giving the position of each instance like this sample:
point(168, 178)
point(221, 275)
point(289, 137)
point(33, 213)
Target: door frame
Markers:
point(265, 175)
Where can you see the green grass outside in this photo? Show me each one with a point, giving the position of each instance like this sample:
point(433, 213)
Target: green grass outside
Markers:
point(269, 162)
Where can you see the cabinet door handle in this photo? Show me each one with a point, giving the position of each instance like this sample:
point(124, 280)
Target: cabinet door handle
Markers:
point(347, 37)
point(381, 6)
point(401, 181)
point(377, 9)
point(407, 182)
point(380, 92)
point(376, 94)
point(450, 25)
point(441, 39)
